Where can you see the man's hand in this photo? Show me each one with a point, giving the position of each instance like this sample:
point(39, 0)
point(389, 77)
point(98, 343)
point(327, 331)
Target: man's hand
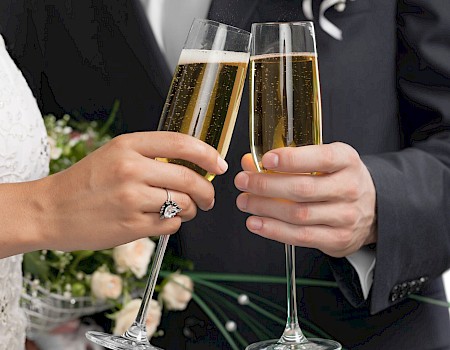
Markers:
point(333, 211)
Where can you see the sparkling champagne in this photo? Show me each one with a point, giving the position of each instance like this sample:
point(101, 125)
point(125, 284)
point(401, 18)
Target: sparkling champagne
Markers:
point(204, 99)
point(285, 106)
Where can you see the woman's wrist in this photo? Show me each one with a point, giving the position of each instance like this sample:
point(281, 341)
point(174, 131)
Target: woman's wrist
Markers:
point(22, 214)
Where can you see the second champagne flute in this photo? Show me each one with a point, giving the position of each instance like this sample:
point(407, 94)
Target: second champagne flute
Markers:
point(285, 111)
point(203, 102)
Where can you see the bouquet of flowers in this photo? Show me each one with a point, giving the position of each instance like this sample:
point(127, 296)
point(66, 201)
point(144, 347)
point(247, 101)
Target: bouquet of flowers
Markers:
point(63, 286)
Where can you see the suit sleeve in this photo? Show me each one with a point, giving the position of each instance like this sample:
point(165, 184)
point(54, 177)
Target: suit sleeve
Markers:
point(413, 185)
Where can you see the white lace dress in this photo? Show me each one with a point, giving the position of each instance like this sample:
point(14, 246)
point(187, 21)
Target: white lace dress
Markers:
point(23, 157)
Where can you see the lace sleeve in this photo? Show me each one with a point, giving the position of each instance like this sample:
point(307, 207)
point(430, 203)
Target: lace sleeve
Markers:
point(23, 157)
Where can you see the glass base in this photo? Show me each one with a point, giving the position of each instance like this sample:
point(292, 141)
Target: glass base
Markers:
point(310, 344)
point(116, 342)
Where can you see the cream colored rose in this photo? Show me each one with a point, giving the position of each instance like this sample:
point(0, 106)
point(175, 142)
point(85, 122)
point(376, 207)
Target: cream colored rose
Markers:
point(134, 256)
point(105, 285)
point(127, 315)
point(177, 292)
point(55, 151)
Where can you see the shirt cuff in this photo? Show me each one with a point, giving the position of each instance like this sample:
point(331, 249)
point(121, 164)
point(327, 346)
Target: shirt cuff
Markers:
point(363, 261)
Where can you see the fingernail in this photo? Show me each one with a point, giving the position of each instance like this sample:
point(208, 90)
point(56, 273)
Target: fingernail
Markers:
point(254, 223)
point(242, 202)
point(223, 165)
point(212, 204)
point(241, 181)
point(270, 160)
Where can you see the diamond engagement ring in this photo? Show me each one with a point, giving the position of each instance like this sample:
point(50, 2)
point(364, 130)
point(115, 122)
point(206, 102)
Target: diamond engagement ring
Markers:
point(169, 209)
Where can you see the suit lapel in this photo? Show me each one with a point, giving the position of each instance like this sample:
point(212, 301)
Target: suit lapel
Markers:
point(133, 23)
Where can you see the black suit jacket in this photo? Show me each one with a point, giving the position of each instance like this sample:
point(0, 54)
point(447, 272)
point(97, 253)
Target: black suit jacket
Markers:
point(385, 91)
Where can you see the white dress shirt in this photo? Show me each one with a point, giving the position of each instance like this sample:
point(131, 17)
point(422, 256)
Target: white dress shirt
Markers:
point(171, 20)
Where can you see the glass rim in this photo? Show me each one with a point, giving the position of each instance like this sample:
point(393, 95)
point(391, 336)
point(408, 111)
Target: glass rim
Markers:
point(253, 57)
point(217, 24)
point(294, 23)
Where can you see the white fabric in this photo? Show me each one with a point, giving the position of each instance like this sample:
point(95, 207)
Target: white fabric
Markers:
point(170, 21)
point(154, 12)
point(324, 23)
point(363, 261)
point(24, 156)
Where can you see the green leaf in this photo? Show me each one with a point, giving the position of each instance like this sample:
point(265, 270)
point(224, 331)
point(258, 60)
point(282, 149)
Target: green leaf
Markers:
point(106, 127)
point(82, 254)
point(33, 264)
point(78, 289)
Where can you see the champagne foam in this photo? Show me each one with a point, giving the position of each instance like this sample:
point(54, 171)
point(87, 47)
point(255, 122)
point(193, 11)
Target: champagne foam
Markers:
point(190, 56)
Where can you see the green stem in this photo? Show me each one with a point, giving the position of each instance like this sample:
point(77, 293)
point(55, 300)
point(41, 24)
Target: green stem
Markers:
point(256, 327)
point(277, 307)
point(259, 279)
point(437, 302)
point(216, 321)
point(105, 128)
point(251, 305)
point(225, 318)
point(260, 299)
point(240, 339)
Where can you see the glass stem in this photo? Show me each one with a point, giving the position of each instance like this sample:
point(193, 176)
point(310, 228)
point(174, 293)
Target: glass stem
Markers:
point(292, 333)
point(138, 330)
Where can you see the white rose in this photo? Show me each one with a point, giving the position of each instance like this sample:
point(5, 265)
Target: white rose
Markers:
point(55, 152)
point(126, 317)
point(105, 285)
point(67, 130)
point(134, 256)
point(177, 292)
point(73, 141)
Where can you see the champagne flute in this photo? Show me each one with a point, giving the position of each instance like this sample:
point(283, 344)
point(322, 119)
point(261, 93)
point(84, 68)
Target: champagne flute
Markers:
point(285, 111)
point(203, 102)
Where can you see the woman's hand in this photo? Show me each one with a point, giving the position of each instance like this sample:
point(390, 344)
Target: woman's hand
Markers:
point(114, 195)
point(333, 211)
